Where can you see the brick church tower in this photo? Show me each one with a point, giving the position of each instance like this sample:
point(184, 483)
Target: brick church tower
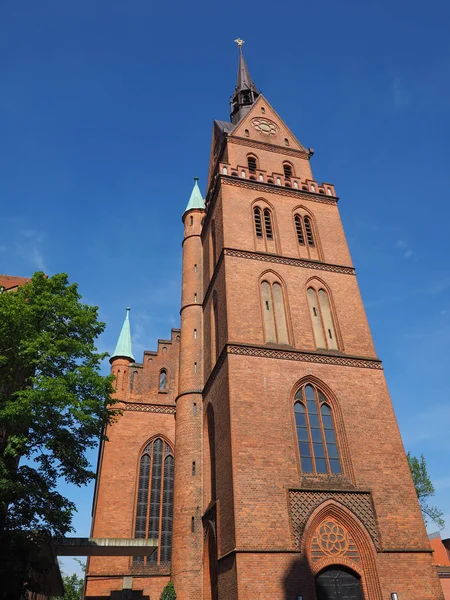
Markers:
point(258, 446)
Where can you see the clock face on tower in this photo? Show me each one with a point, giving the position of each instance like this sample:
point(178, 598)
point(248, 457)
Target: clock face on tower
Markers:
point(265, 126)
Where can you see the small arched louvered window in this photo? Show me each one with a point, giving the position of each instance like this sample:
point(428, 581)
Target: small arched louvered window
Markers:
point(287, 168)
point(322, 319)
point(154, 511)
point(162, 379)
point(315, 432)
point(274, 313)
point(268, 224)
point(299, 229)
point(252, 164)
point(309, 231)
point(258, 222)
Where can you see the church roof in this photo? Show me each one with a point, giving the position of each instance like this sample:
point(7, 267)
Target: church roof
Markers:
point(196, 199)
point(225, 126)
point(123, 347)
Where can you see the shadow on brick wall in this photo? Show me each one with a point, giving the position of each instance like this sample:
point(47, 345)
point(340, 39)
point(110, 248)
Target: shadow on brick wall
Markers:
point(299, 581)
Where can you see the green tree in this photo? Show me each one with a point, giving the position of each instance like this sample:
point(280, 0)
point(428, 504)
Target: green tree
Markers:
point(73, 587)
point(54, 404)
point(424, 490)
point(168, 592)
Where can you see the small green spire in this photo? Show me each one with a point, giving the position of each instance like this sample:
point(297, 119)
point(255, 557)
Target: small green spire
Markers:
point(196, 199)
point(123, 348)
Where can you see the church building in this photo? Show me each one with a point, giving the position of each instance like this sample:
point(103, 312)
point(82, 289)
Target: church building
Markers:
point(258, 445)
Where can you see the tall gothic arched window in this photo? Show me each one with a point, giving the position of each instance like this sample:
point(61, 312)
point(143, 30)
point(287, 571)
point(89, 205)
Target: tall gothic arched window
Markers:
point(304, 230)
point(264, 223)
point(211, 440)
point(274, 313)
point(258, 222)
point(322, 319)
point(268, 223)
point(316, 436)
point(154, 510)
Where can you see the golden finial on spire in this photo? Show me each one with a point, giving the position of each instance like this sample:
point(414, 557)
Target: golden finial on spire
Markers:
point(239, 42)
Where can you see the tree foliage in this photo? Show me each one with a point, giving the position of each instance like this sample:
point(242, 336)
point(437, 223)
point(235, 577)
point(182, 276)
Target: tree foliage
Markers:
point(73, 587)
point(168, 592)
point(54, 404)
point(424, 490)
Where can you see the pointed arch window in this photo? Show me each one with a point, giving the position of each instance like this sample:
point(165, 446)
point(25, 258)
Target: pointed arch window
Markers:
point(268, 224)
point(299, 229)
point(304, 230)
point(287, 168)
point(162, 379)
point(316, 436)
point(252, 163)
point(263, 220)
point(309, 231)
point(258, 222)
point(154, 512)
point(274, 313)
point(322, 319)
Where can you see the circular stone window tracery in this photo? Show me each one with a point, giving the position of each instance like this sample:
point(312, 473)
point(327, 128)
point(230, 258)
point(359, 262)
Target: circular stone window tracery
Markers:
point(265, 126)
point(332, 539)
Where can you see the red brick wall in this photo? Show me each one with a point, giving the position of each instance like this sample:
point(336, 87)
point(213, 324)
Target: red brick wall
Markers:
point(115, 501)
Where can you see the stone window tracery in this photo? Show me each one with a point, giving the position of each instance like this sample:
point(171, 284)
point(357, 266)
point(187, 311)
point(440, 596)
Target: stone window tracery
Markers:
point(265, 126)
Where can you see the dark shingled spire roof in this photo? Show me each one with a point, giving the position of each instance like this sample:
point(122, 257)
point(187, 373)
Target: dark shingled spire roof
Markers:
point(244, 81)
point(245, 92)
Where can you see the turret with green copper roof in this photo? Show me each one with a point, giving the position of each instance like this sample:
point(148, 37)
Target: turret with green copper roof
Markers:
point(196, 200)
point(123, 347)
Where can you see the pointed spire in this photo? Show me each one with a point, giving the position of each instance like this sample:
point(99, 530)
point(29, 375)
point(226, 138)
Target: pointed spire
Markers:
point(244, 81)
point(196, 199)
point(123, 347)
point(245, 92)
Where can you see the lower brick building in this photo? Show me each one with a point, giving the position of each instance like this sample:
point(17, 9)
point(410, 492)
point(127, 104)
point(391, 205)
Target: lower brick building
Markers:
point(441, 558)
point(258, 445)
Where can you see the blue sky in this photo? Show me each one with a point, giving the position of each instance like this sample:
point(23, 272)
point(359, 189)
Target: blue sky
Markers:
point(106, 115)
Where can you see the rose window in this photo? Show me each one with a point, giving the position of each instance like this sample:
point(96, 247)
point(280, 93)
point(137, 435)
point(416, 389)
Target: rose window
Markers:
point(332, 539)
point(265, 126)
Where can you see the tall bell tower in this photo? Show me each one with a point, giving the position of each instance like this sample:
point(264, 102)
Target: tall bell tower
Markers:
point(257, 450)
point(306, 488)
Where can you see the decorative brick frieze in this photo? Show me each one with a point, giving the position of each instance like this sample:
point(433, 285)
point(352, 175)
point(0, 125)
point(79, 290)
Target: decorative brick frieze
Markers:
point(328, 359)
point(276, 189)
point(294, 262)
point(271, 147)
point(155, 408)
